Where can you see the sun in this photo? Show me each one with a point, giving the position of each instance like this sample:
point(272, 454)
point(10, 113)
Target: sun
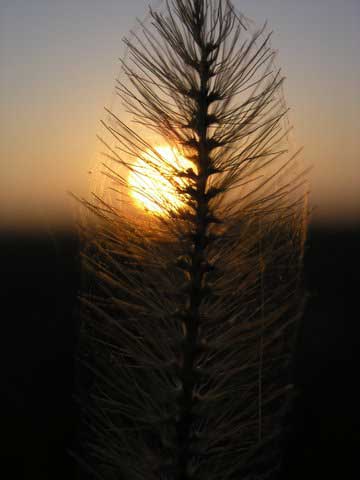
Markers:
point(151, 180)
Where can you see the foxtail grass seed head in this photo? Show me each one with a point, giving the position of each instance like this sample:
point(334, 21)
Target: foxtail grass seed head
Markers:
point(193, 256)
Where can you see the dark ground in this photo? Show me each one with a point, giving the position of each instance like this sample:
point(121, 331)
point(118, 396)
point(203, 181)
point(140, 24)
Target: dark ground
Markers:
point(40, 277)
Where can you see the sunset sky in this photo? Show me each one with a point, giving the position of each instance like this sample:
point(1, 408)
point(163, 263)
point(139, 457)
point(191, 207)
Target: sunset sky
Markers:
point(59, 61)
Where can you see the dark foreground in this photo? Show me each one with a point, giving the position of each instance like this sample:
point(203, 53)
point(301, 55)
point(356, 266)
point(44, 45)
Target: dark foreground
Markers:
point(39, 282)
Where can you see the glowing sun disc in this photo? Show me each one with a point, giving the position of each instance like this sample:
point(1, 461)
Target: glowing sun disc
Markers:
point(149, 184)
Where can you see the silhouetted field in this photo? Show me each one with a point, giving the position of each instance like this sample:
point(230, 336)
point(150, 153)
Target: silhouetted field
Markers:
point(40, 276)
point(326, 417)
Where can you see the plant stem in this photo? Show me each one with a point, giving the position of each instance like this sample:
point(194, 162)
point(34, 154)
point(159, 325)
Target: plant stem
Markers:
point(196, 281)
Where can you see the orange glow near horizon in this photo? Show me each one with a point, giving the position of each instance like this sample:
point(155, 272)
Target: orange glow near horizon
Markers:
point(50, 150)
point(150, 186)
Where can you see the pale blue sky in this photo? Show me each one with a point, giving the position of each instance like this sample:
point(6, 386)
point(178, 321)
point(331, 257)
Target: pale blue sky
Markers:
point(58, 63)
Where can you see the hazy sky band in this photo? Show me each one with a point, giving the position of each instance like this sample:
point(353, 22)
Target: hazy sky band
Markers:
point(58, 63)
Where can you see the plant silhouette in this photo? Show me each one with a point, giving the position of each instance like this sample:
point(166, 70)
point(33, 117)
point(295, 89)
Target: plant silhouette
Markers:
point(190, 314)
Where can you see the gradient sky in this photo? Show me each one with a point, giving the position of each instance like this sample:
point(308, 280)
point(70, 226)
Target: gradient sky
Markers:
point(58, 63)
